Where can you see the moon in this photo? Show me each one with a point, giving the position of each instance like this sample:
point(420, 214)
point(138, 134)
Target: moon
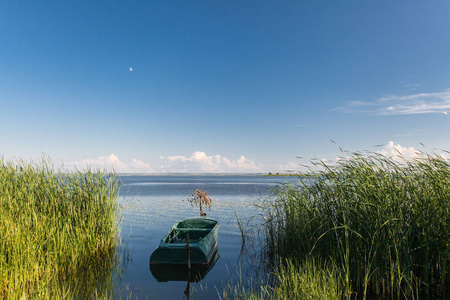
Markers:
point(131, 69)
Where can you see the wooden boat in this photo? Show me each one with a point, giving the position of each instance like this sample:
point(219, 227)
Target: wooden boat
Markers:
point(173, 249)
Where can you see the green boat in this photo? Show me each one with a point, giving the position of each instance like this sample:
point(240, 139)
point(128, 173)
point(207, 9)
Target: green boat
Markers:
point(175, 248)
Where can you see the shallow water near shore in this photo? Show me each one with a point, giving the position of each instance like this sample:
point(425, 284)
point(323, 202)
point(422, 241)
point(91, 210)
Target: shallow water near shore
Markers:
point(152, 204)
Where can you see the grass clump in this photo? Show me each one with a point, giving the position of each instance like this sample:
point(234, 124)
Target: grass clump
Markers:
point(384, 225)
point(311, 281)
point(58, 232)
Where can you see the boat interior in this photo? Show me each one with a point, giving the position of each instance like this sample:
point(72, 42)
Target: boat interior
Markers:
point(197, 229)
point(179, 235)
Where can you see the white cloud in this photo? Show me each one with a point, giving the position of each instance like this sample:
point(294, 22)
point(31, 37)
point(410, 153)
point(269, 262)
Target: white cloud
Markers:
point(421, 103)
point(399, 153)
point(111, 163)
point(200, 162)
point(140, 166)
point(197, 162)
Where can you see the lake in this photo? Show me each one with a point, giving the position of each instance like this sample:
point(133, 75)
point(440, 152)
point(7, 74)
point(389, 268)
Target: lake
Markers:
point(152, 204)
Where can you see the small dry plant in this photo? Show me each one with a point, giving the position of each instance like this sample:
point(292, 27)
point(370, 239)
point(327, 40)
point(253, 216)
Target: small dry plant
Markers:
point(201, 199)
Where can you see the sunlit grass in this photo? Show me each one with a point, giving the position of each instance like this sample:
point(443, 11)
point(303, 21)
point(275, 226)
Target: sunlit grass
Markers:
point(311, 281)
point(383, 225)
point(58, 232)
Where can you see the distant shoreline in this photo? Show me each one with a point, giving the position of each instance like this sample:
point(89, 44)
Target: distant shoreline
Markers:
point(270, 174)
point(207, 174)
point(191, 174)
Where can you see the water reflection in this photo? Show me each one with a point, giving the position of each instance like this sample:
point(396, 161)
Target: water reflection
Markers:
point(154, 203)
point(93, 277)
point(170, 272)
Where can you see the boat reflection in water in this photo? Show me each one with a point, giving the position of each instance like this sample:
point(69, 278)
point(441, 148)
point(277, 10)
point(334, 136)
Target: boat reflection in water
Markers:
point(172, 272)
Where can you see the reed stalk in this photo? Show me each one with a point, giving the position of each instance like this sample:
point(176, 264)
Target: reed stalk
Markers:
point(384, 224)
point(58, 232)
point(313, 281)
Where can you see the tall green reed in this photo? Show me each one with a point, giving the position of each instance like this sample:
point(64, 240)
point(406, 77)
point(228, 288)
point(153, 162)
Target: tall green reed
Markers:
point(383, 224)
point(57, 231)
point(312, 281)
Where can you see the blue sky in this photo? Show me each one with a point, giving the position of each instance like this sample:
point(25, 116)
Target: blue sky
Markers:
point(221, 86)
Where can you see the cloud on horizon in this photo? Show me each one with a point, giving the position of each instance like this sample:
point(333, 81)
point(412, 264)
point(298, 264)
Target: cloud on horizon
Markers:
point(105, 163)
point(399, 153)
point(422, 103)
point(391, 150)
point(198, 162)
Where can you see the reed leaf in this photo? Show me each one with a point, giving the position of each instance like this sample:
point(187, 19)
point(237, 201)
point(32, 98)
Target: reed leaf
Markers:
point(58, 232)
point(384, 224)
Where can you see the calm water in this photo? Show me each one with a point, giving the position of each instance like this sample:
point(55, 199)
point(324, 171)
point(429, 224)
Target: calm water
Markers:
point(154, 203)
